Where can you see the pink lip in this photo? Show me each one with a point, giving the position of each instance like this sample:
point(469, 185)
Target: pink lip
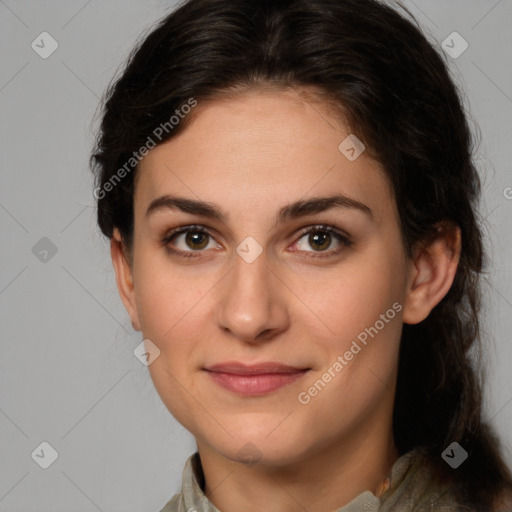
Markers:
point(255, 379)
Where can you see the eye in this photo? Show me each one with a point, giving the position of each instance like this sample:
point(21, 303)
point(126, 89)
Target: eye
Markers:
point(194, 239)
point(321, 238)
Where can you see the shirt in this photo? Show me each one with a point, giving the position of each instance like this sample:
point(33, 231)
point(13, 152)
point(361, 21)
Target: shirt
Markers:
point(411, 489)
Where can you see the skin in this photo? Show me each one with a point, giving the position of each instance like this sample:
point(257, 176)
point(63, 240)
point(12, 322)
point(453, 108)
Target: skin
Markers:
point(252, 154)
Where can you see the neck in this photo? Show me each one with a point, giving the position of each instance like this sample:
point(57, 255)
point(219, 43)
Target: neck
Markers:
point(325, 481)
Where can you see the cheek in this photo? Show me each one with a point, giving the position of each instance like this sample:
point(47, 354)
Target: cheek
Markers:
point(353, 296)
point(164, 294)
point(168, 304)
point(361, 303)
point(370, 324)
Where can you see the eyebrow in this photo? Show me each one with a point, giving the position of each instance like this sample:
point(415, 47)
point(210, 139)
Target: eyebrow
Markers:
point(293, 210)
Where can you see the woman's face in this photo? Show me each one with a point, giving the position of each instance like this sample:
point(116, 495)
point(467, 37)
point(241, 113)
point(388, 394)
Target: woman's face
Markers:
point(264, 285)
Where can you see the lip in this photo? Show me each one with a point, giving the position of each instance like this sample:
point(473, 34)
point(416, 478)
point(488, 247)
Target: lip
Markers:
point(255, 379)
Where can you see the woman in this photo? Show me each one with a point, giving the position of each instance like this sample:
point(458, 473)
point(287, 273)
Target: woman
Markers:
point(290, 195)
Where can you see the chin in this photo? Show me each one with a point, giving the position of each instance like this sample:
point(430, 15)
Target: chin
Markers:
point(253, 450)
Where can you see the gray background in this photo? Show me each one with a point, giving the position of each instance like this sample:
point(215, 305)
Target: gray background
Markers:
point(68, 375)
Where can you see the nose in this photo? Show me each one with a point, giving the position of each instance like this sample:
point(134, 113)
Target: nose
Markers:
point(251, 303)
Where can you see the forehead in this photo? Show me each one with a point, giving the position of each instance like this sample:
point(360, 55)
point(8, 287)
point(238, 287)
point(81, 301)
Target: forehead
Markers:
point(261, 148)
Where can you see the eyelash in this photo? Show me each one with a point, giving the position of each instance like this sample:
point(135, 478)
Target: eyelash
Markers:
point(319, 228)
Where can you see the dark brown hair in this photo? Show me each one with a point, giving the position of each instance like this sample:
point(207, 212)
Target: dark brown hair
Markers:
point(394, 90)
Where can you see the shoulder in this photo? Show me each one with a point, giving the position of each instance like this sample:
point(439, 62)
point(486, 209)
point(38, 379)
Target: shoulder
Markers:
point(175, 504)
point(417, 489)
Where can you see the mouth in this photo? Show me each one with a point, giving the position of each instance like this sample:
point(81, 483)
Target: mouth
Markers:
point(254, 380)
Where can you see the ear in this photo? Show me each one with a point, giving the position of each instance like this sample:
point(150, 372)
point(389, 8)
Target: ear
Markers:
point(124, 277)
point(432, 273)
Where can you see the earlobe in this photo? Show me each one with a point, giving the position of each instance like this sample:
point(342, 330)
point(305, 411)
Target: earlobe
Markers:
point(124, 277)
point(432, 273)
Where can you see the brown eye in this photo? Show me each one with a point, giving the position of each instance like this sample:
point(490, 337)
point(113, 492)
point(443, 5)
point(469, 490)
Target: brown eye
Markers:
point(320, 238)
point(319, 241)
point(196, 239)
point(188, 241)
